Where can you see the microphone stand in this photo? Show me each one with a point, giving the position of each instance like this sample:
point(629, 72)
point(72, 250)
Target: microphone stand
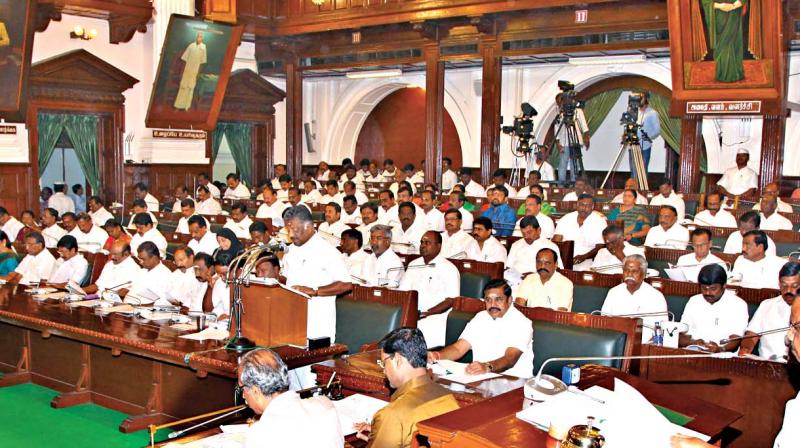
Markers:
point(225, 412)
point(758, 335)
point(250, 258)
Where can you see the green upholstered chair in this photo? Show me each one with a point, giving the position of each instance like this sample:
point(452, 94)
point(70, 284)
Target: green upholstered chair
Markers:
point(361, 322)
point(587, 298)
point(456, 322)
point(659, 265)
point(783, 249)
point(552, 340)
point(676, 304)
point(472, 284)
point(691, 207)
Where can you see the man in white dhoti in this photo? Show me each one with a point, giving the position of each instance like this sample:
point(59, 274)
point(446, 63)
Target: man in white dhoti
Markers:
point(194, 56)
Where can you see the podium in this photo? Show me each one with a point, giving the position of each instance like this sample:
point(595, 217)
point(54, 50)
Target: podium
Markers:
point(272, 316)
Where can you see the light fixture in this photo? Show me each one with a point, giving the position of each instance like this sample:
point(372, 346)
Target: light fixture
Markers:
point(608, 60)
point(375, 74)
point(80, 32)
point(318, 2)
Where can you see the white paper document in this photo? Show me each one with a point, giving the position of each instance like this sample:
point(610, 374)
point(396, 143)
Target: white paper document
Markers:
point(625, 419)
point(677, 274)
point(208, 333)
point(224, 440)
point(456, 372)
point(357, 409)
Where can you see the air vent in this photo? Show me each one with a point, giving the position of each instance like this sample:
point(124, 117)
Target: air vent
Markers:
point(456, 50)
point(376, 56)
point(588, 39)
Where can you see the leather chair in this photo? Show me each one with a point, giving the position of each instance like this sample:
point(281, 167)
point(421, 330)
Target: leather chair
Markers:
point(472, 284)
point(588, 298)
point(552, 339)
point(362, 322)
point(457, 320)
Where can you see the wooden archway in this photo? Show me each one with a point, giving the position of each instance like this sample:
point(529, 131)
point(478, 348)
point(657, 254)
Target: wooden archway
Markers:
point(81, 83)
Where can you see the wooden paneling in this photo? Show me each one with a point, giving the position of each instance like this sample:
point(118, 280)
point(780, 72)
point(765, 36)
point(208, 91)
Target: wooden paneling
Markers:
point(772, 141)
point(490, 106)
point(220, 10)
point(161, 179)
point(16, 193)
point(124, 18)
point(691, 148)
point(294, 117)
point(434, 111)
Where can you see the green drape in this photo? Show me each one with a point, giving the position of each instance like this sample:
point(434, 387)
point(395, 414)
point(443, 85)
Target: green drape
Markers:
point(595, 110)
point(82, 132)
point(670, 127)
point(48, 129)
point(239, 142)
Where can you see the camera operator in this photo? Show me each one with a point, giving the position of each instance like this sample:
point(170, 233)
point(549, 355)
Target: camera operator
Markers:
point(581, 130)
point(649, 130)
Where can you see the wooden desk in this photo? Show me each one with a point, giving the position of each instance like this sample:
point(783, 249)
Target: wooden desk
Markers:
point(138, 367)
point(360, 374)
point(493, 422)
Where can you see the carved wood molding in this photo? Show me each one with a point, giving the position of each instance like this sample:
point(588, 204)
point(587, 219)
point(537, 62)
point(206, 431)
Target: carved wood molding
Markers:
point(250, 97)
point(121, 28)
point(125, 17)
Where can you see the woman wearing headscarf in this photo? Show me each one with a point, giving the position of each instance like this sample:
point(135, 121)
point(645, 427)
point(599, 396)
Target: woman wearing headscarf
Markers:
point(229, 248)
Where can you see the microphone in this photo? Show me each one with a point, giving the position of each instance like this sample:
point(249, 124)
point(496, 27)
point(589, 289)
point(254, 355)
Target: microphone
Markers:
point(757, 335)
point(175, 434)
point(329, 234)
point(673, 246)
point(669, 313)
point(358, 279)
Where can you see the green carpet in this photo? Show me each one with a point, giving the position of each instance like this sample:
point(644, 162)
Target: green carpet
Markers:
point(29, 421)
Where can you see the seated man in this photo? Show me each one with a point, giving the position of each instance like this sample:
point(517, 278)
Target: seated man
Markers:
point(403, 358)
point(187, 211)
point(354, 254)
point(546, 288)
point(635, 297)
point(331, 193)
point(631, 184)
point(98, 212)
point(146, 231)
point(183, 286)
point(181, 194)
point(268, 267)
point(491, 250)
point(211, 189)
point(259, 234)
point(499, 180)
point(349, 188)
point(667, 196)
point(471, 188)
point(89, 237)
point(239, 222)
point(286, 419)
point(71, 266)
point(350, 211)
point(715, 314)
point(581, 186)
point(369, 219)
point(388, 210)
point(139, 206)
point(271, 208)
point(609, 259)
point(152, 285)
point(714, 215)
point(141, 191)
point(69, 221)
point(37, 264)
point(311, 195)
point(771, 314)
point(522, 255)
point(701, 255)
point(749, 220)
point(9, 224)
point(668, 233)
point(457, 243)
point(236, 190)
point(207, 204)
point(770, 218)
point(407, 236)
point(773, 189)
point(755, 267)
point(214, 294)
point(500, 337)
point(120, 271)
point(585, 228)
point(203, 240)
point(502, 215)
point(382, 267)
point(740, 180)
point(533, 207)
point(331, 230)
point(434, 219)
point(51, 231)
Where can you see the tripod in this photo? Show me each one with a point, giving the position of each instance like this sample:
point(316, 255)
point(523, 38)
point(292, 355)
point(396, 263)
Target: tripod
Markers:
point(630, 142)
point(573, 143)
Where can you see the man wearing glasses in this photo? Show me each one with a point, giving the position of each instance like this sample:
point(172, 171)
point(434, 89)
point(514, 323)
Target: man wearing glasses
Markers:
point(500, 337)
point(416, 396)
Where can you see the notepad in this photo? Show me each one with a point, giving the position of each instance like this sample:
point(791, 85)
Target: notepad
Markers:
point(456, 372)
point(357, 409)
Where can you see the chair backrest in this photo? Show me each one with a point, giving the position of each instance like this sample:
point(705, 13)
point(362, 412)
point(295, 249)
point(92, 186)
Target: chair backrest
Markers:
point(472, 284)
point(492, 270)
point(96, 264)
point(406, 299)
point(361, 322)
point(462, 311)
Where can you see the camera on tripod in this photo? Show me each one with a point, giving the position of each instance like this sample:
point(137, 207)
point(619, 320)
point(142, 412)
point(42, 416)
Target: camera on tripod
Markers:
point(630, 117)
point(569, 102)
point(522, 128)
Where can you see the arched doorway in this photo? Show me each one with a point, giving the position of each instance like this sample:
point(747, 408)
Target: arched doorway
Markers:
point(395, 129)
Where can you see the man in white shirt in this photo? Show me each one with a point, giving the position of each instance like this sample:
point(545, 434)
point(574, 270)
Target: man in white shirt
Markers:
point(141, 192)
point(118, 271)
point(471, 188)
point(631, 184)
point(286, 419)
point(139, 206)
point(236, 190)
point(715, 315)
point(79, 198)
point(181, 193)
point(9, 224)
point(534, 177)
point(772, 314)
point(369, 218)
point(755, 267)
point(457, 201)
point(314, 267)
point(350, 211)
point(323, 172)
point(69, 221)
point(407, 235)
point(60, 201)
point(285, 183)
point(153, 283)
point(311, 194)
point(740, 180)
point(500, 337)
point(146, 231)
point(204, 181)
point(203, 239)
point(609, 259)
point(522, 254)
point(585, 228)
point(272, 208)
point(350, 189)
point(239, 222)
point(581, 186)
point(434, 219)
point(351, 175)
point(184, 288)
point(280, 170)
point(331, 230)
point(98, 212)
point(90, 237)
point(331, 193)
point(216, 295)
point(701, 255)
point(491, 250)
point(634, 296)
point(387, 212)
point(714, 215)
point(375, 175)
point(533, 207)
point(382, 267)
point(457, 243)
point(36, 266)
point(435, 279)
point(546, 171)
point(187, 211)
point(499, 179)
point(773, 189)
point(668, 233)
point(667, 196)
point(389, 171)
point(449, 177)
point(770, 218)
point(749, 220)
point(51, 231)
point(207, 205)
point(546, 288)
point(354, 254)
point(71, 266)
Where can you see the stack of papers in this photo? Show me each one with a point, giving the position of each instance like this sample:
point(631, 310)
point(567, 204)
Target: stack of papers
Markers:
point(85, 303)
point(357, 409)
point(224, 440)
point(208, 333)
point(456, 372)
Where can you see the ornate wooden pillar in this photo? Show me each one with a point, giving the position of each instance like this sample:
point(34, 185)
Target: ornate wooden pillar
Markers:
point(434, 112)
point(294, 117)
point(772, 138)
point(691, 149)
point(490, 106)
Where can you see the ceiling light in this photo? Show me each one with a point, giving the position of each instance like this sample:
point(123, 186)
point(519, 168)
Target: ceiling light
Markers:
point(375, 74)
point(318, 2)
point(608, 60)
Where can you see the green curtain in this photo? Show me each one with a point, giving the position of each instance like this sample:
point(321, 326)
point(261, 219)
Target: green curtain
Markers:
point(239, 142)
point(82, 132)
point(48, 129)
point(216, 140)
point(670, 127)
point(595, 110)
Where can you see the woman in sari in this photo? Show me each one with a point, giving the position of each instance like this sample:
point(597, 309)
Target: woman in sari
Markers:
point(635, 219)
point(8, 258)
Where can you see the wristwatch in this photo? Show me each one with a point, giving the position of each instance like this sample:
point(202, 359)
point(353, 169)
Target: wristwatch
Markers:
point(316, 292)
point(489, 366)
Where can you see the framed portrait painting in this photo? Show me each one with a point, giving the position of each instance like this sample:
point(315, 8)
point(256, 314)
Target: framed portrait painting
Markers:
point(193, 72)
point(16, 42)
point(728, 50)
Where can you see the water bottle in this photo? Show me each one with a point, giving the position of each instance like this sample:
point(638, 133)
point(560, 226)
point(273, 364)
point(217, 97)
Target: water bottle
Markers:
point(658, 334)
